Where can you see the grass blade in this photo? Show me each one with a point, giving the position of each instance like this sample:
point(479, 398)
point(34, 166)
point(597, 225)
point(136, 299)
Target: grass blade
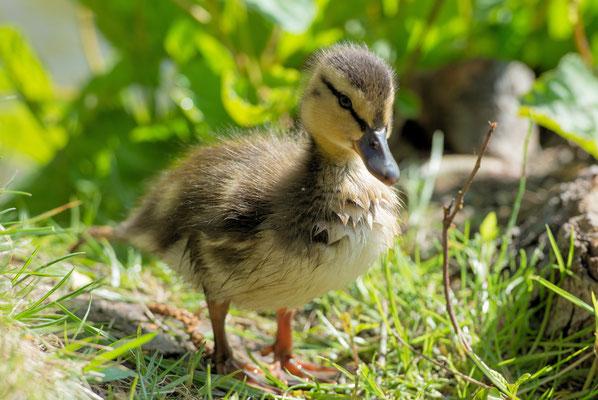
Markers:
point(109, 355)
point(563, 293)
point(32, 309)
point(24, 266)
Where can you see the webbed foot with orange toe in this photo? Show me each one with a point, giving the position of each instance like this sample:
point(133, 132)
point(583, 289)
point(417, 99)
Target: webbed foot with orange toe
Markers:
point(285, 361)
point(244, 371)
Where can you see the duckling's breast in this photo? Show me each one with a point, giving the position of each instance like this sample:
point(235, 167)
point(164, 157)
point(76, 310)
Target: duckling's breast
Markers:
point(276, 274)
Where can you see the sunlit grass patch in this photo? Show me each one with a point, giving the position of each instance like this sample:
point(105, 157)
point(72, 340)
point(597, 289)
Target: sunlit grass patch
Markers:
point(32, 362)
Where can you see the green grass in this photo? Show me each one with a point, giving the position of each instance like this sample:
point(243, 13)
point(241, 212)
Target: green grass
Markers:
point(502, 300)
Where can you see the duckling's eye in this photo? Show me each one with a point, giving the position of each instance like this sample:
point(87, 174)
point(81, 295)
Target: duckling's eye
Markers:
point(344, 101)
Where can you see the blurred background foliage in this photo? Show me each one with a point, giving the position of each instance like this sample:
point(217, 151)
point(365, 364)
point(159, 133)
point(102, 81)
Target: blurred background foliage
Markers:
point(182, 72)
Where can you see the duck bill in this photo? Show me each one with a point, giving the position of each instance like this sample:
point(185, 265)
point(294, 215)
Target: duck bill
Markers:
point(374, 151)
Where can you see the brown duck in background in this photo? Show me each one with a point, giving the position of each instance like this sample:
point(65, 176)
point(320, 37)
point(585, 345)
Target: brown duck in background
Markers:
point(272, 221)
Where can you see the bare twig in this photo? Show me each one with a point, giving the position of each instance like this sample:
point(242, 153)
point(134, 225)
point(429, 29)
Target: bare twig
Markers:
point(450, 212)
point(439, 364)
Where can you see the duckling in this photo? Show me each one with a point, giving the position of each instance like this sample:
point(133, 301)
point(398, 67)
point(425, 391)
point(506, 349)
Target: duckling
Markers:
point(271, 221)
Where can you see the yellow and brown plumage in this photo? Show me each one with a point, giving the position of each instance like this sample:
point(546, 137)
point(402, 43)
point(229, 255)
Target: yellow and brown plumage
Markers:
point(271, 221)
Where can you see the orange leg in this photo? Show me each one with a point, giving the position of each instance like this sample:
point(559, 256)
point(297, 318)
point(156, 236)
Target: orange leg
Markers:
point(283, 351)
point(223, 354)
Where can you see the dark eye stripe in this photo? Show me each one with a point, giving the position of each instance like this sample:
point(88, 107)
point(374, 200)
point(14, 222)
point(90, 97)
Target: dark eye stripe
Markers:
point(362, 124)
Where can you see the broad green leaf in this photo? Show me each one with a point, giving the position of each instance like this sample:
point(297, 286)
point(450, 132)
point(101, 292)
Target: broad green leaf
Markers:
point(113, 373)
point(21, 131)
point(215, 54)
point(494, 394)
point(25, 102)
point(292, 16)
point(22, 67)
point(566, 101)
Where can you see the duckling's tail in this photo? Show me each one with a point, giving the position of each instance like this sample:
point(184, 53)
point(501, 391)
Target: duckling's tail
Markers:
point(96, 232)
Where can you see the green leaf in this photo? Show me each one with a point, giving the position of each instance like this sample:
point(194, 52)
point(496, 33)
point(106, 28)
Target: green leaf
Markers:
point(113, 373)
point(566, 101)
point(27, 101)
point(37, 142)
point(494, 394)
point(215, 54)
point(292, 16)
point(22, 67)
point(489, 227)
point(177, 43)
point(240, 110)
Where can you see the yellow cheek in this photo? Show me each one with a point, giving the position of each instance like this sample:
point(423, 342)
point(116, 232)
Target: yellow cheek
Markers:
point(333, 129)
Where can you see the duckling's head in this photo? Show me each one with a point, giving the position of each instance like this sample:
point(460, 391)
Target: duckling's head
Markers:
point(347, 108)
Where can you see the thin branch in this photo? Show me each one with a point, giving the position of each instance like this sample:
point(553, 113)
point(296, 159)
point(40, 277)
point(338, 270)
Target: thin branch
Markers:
point(439, 364)
point(450, 212)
